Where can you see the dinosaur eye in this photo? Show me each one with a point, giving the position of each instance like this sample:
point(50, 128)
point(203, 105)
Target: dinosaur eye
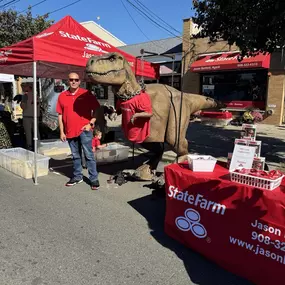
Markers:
point(112, 59)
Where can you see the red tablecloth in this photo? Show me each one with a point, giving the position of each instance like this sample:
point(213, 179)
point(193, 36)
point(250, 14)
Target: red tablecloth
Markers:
point(239, 227)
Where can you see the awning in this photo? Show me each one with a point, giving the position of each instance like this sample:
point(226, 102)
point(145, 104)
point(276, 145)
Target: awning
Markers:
point(164, 70)
point(229, 61)
point(6, 77)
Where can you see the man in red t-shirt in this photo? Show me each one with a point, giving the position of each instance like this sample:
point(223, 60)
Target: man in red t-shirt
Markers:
point(76, 109)
point(136, 114)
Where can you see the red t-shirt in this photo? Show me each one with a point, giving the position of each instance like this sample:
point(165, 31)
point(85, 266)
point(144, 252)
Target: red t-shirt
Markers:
point(95, 142)
point(76, 110)
point(140, 130)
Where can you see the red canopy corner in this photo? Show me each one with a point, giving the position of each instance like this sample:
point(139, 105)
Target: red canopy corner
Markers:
point(63, 47)
point(229, 61)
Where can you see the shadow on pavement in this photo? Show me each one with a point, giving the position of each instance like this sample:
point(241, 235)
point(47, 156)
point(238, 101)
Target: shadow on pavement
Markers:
point(206, 139)
point(218, 141)
point(64, 166)
point(200, 270)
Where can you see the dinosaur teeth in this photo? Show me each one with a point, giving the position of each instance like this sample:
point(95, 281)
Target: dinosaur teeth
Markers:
point(116, 72)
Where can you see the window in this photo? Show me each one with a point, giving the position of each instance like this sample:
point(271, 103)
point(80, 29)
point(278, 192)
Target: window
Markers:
point(101, 92)
point(236, 86)
point(168, 81)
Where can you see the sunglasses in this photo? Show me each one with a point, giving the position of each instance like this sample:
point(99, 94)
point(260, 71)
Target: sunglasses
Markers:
point(74, 79)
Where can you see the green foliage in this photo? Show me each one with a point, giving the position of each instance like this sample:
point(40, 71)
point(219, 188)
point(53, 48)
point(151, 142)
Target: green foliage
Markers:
point(15, 27)
point(253, 25)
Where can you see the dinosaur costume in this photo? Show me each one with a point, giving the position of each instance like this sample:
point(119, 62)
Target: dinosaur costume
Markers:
point(113, 69)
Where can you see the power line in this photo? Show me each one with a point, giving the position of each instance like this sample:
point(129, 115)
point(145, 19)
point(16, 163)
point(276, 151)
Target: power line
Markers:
point(134, 20)
point(59, 9)
point(5, 4)
point(149, 11)
point(157, 24)
point(143, 14)
point(137, 24)
point(38, 3)
point(9, 3)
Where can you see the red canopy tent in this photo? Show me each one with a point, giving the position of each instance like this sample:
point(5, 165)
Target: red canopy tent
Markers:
point(63, 47)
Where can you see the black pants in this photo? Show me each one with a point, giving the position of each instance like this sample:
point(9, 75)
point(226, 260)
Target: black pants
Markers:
point(157, 149)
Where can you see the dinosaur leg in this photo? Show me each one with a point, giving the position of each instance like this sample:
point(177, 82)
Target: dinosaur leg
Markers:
point(182, 156)
point(182, 150)
point(147, 170)
point(158, 149)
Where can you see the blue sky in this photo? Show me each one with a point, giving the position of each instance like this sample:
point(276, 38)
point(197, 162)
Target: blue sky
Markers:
point(115, 18)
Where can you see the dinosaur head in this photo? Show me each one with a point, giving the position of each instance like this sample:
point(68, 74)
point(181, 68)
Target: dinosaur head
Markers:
point(212, 103)
point(200, 102)
point(111, 69)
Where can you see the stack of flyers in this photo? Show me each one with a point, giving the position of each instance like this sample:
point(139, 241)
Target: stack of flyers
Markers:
point(248, 131)
point(257, 145)
point(241, 142)
point(258, 163)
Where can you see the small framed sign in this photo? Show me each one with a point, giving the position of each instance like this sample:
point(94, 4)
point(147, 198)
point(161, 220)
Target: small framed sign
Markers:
point(242, 157)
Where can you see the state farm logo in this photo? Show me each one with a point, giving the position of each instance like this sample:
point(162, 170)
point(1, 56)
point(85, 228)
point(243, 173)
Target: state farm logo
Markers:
point(84, 39)
point(44, 35)
point(5, 52)
point(191, 222)
point(222, 58)
point(4, 55)
point(93, 47)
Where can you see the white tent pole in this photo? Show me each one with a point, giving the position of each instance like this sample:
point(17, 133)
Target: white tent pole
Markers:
point(35, 122)
point(40, 88)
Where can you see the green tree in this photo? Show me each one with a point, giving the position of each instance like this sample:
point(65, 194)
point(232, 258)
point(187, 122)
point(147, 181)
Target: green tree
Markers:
point(15, 27)
point(253, 25)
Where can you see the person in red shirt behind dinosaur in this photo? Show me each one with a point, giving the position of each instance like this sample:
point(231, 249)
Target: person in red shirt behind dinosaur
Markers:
point(136, 113)
point(76, 108)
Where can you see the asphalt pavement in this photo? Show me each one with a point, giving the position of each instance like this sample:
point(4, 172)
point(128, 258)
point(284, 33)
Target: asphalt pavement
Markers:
point(51, 234)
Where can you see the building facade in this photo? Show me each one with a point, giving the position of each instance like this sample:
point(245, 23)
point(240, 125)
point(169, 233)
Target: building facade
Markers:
point(215, 70)
point(165, 52)
point(103, 34)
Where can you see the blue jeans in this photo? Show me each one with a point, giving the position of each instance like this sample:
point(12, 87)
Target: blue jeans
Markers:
point(75, 144)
